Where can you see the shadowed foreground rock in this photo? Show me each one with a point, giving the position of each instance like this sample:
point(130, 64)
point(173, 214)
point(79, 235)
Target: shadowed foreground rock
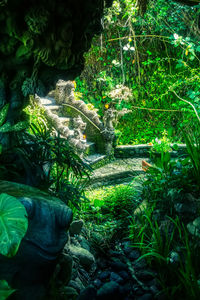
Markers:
point(49, 219)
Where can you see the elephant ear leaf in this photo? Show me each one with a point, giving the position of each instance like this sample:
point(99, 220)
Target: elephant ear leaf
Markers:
point(13, 224)
point(3, 114)
point(5, 290)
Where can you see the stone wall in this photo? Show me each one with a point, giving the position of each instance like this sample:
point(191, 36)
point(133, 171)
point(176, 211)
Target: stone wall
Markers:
point(127, 151)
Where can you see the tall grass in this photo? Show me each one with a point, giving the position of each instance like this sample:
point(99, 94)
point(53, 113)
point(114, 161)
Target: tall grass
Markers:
point(192, 141)
point(178, 278)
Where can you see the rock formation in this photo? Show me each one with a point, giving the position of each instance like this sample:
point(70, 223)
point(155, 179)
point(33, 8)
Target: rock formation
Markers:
point(41, 42)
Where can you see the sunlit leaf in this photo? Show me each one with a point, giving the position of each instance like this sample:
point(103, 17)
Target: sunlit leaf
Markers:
point(5, 290)
point(13, 224)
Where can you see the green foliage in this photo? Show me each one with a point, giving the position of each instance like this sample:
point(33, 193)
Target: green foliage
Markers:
point(6, 167)
point(5, 290)
point(160, 151)
point(167, 185)
point(35, 113)
point(192, 140)
point(168, 249)
point(113, 204)
point(37, 19)
point(151, 56)
point(6, 126)
point(3, 114)
point(103, 235)
point(28, 87)
point(150, 239)
point(121, 201)
point(13, 223)
point(50, 162)
point(162, 145)
point(108, 211)
point(13, 227)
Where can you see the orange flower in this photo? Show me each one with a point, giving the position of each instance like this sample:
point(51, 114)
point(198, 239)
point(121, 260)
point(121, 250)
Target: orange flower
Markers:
point(150, 144)
point(145, 165)
point(106, 106)
point(104, 97)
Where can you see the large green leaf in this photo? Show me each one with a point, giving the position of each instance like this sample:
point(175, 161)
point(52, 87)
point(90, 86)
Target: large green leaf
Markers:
point(13, 224)
point(5, 290)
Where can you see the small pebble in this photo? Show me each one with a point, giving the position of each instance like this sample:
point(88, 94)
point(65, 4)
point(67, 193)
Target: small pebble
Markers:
point(97, 283)
point(109, 290)
point(118, 265)
point(145, 297)
point(115, 277)
point(133, 255)
point(141, 264)
point(145, 275)
point(124, 275)
point(104, 275)
point(89, 293)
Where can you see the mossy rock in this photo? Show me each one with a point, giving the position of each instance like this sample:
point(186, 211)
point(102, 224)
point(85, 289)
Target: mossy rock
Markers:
point(21, 190)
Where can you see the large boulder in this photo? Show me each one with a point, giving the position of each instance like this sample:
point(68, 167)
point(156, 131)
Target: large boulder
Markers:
point(49, 219)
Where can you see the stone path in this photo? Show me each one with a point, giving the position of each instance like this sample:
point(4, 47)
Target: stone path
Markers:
point(118, 171)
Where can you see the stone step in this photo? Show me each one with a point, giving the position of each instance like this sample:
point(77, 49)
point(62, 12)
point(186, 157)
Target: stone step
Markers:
point(116, 172)
point(91, 149)
point(65, 121)
point(47, 101)
point(55, 109)
point(115, 178)
point(94, 159)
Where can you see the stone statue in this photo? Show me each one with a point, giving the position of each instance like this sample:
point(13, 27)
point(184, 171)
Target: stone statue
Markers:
point(64, 91)
point(108, 132)
point(79, 128)
point(30, 270)
point(108, 118)
point(78, 139)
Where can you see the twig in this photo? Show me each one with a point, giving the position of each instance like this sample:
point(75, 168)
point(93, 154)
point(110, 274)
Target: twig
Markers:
point(140, 35)
point(122, 63)
point(157, 109)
